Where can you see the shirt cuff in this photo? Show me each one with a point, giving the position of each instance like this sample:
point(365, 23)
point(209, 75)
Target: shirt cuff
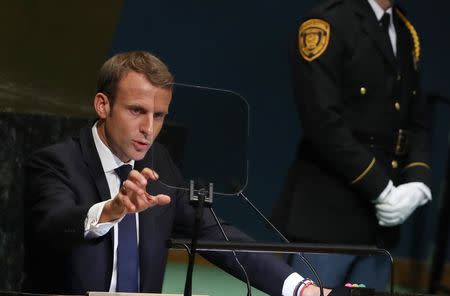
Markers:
point(290, 283)
point(93, 229)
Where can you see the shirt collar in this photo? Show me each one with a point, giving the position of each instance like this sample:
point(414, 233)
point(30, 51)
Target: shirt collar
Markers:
point(109, 161)
point(379, 12)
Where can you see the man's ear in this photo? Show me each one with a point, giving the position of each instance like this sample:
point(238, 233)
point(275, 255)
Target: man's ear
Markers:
point(102, 105)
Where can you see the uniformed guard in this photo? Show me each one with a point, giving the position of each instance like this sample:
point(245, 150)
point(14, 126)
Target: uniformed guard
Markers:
point(362, 166)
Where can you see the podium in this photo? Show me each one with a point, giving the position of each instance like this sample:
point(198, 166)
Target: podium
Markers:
point(93, 293)
point(288, 248)
point(90, 293)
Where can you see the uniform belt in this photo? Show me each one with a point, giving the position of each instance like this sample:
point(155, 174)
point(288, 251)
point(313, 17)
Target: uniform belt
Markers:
point(398, 142)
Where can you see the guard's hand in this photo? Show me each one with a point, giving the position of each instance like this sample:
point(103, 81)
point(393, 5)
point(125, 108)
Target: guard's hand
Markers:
point(133, 196)
point(399, 204)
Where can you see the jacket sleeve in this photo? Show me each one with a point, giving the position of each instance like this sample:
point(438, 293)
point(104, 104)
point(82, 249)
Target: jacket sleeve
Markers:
point(51, 211)
point(417, 166)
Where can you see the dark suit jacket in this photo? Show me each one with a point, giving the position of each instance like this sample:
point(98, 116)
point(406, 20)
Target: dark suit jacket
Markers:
point(66, 179)
point(352, 100)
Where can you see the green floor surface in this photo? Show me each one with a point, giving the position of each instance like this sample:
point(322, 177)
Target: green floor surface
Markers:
point(207, 280)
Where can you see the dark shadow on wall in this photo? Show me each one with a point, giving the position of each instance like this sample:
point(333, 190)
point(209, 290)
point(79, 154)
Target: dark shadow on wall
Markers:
point(21, 134)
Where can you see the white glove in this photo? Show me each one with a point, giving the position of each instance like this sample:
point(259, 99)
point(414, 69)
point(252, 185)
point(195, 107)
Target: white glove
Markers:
point(400, 202)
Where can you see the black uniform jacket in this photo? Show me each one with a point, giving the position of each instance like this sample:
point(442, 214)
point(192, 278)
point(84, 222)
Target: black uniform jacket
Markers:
point(364, 123)
point(66, 179)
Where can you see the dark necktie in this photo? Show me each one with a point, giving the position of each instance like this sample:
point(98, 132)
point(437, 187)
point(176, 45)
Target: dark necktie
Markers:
point(127, 250)
point(385, 22)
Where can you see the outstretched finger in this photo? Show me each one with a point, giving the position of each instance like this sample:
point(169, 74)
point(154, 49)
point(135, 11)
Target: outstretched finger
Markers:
point(129, 188)
point(150, 174)
point(138, 178)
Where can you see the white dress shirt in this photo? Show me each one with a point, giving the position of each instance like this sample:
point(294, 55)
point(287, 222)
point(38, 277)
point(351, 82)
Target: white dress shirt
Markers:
point(92, 228)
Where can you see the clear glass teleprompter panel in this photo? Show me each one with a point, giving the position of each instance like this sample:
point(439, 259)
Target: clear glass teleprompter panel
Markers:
point(206, 135)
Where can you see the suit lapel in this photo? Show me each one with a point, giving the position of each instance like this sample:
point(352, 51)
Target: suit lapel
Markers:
point(371, 26)
point(94, 164)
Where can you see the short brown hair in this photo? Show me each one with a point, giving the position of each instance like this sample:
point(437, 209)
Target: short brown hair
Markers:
point(142, 62)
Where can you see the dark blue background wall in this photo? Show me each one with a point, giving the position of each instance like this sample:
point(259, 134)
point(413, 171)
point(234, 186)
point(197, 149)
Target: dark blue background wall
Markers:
point(242, 46)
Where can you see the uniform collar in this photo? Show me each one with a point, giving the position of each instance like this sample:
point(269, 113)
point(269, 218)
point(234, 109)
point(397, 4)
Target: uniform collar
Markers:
point(379, 12)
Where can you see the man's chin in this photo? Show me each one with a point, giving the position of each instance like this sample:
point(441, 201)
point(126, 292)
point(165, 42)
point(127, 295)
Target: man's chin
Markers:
point(139, 155)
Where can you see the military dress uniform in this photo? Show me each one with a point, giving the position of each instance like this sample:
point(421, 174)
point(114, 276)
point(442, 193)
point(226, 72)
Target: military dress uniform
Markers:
point(363, 120)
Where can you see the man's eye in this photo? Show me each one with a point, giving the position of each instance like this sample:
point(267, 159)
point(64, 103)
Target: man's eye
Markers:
point(159, 115)
point(136, 110)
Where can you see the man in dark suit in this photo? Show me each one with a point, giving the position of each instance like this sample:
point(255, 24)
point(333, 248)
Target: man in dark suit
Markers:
point(362, 166)
point(80, 197)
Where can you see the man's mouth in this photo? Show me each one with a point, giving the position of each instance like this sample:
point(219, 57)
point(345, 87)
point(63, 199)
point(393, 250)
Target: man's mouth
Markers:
point(141, 144)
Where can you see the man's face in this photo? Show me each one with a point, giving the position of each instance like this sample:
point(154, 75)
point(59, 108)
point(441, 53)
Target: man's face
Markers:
point(130, 126)
point(385, 4)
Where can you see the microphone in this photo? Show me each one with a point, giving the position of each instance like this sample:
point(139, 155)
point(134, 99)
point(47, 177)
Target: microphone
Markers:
point(207, 195)
point(302, 257)
point(247, 280)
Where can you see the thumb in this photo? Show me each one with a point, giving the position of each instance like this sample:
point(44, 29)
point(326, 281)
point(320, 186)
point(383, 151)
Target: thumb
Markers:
point(160, 199)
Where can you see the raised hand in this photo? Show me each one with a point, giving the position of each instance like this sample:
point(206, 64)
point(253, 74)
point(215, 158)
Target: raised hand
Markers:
point(133, 196)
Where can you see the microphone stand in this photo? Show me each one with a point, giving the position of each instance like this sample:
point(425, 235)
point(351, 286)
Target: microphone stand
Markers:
point(312, 269)
point(203, 197)
point(247, 280)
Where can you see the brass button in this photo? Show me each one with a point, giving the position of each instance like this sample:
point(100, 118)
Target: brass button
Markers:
point(363, 91)
point(399, 77)
point(397, 106)
point(414, 92)
point(394, 164)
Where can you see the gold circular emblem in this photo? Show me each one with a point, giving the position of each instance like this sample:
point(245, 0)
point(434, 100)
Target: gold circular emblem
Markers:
point(313, 38)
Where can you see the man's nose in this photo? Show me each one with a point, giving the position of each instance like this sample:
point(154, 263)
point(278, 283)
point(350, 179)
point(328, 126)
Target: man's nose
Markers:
point(147, 125)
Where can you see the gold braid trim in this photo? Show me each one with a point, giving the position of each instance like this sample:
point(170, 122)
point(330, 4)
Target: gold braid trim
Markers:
point(415, 164)
point(414, 35)
point(364, 173)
